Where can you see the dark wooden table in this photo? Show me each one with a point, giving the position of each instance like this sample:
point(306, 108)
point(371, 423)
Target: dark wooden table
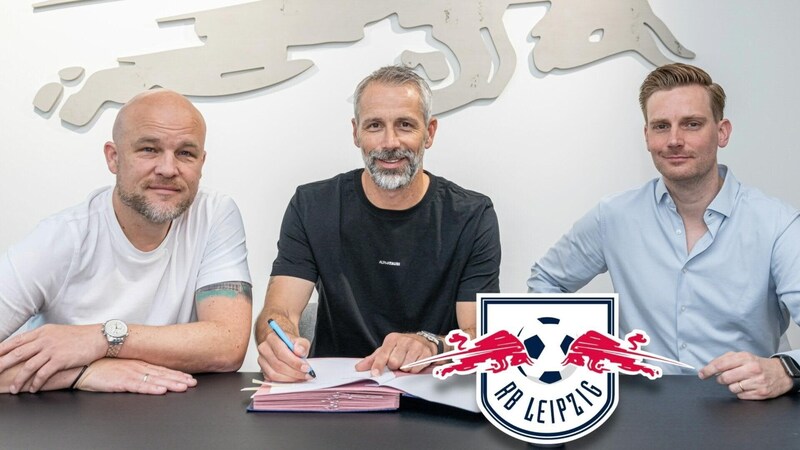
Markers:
point(678, 412)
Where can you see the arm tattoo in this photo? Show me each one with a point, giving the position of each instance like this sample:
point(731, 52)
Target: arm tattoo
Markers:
point(229, 289)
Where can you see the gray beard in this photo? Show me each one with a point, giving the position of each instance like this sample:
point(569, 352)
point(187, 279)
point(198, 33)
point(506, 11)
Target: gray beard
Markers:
point(153, 214)
point(392, 179)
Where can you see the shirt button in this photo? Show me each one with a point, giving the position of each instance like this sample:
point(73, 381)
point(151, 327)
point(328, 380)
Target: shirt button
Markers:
point(683, 308)
point(678, 231)
point(683, 346)
point(684, 270)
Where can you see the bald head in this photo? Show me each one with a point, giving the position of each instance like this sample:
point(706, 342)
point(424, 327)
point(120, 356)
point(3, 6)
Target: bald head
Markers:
point(157, 154)
point(147, 104)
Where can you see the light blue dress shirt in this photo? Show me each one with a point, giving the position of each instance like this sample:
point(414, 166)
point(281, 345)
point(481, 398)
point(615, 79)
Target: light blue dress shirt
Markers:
point(735, 291)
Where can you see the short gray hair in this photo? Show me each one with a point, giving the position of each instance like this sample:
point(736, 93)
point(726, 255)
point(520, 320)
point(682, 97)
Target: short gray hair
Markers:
point(397, 76)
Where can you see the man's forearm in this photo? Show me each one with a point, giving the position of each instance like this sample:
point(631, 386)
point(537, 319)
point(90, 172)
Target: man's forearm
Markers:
point(470, 331)
point(61, 380)
point(287, 323)
point(192, 347)
point(466, 316)
point(217, 342)
point(286, 299)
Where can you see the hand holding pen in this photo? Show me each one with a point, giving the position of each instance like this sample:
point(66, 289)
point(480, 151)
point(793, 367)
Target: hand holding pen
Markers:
point(279, 332)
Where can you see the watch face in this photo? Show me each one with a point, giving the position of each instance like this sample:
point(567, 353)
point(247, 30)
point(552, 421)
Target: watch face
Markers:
point(429, 336)
point(116, 328)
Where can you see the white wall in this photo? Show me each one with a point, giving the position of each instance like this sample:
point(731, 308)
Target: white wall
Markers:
point(545, 151)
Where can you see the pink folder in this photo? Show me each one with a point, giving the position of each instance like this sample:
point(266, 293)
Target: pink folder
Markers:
point(339, 387)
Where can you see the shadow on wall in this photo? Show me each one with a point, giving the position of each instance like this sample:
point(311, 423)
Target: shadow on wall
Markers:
point(793, 333)
point(308, 320)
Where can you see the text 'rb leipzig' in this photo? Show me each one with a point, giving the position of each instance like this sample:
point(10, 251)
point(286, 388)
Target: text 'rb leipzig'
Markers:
point(548, 365)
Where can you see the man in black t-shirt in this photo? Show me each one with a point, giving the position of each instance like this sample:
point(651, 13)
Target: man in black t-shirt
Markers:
point(397, 254)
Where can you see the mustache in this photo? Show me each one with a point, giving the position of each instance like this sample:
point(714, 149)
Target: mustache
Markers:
point(163, 182)
point(391, 153)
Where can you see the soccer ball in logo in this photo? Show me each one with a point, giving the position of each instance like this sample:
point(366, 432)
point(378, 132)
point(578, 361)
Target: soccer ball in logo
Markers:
point(547, 344)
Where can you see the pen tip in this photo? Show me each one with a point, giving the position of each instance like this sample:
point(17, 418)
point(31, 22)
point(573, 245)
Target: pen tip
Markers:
point(311, 372)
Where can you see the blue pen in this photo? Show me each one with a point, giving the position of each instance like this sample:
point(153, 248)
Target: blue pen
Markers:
point(277, 328)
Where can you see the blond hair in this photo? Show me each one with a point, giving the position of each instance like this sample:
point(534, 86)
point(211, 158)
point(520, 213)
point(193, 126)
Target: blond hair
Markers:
point(674, 75)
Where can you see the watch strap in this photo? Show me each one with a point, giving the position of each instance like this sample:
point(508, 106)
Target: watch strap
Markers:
point(792, 370)
point(113, 349)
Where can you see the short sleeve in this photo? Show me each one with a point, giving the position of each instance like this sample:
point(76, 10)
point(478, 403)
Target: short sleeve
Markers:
point(295, 257)
point(482, 271)
point(32, 273)
point(225, 255)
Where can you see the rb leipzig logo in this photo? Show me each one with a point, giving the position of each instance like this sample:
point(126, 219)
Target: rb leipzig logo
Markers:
point(548, 364)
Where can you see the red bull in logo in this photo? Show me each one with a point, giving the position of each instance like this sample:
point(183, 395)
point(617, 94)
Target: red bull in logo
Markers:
point(602, 353)
point(493, 353)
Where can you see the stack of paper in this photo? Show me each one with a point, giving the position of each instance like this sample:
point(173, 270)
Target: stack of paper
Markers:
point(339, 387)
point(358, 396)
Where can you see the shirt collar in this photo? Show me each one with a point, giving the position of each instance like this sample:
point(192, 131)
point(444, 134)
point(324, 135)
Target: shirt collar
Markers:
point(722, 203)
point(725, 199)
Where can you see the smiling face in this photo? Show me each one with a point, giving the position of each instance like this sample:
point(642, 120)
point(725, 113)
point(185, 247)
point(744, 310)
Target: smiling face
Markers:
point(157, 156)
point(392, 134)
point(683, 136)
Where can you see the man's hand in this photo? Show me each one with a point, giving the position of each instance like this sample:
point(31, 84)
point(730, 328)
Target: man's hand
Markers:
point(748, 376)
point(130, 375)
point(278, 363)
point(398, 349)
point(48, 350)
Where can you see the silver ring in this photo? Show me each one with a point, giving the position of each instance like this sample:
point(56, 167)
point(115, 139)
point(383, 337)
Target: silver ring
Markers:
point(144, 380)
point(740, 386)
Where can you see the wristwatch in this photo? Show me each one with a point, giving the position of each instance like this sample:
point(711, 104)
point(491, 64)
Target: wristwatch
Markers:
point(433, 338)
point(792, 369)
point(115, 332)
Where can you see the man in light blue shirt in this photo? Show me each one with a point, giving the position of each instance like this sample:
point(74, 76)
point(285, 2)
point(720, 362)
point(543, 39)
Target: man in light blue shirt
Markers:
point(709, 268)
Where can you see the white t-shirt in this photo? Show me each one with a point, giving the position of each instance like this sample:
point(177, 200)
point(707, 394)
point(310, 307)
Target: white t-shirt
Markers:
point(77, 266)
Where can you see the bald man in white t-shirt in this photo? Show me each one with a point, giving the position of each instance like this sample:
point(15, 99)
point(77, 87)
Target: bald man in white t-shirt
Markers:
point(141, 284)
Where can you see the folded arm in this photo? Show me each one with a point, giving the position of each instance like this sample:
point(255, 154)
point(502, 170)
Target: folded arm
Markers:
point(217, 342)
point(109, 375)
point(60, 380)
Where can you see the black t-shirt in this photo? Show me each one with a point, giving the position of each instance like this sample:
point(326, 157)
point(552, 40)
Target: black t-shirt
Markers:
point(379, 271)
